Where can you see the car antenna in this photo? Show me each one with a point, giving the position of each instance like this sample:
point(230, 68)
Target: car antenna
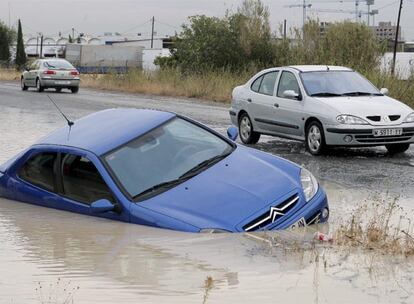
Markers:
point(70, 123)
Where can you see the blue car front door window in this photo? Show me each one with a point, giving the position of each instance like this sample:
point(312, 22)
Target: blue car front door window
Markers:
point(82, 181)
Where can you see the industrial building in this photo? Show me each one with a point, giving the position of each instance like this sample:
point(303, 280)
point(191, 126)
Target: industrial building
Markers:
point(386, 31)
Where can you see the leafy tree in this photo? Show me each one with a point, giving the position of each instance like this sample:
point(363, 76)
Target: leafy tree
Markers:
point(243, 41)
point(252, 27)
point(342, 43)
point(20, 52)
point(6, 39)
point(208, 43)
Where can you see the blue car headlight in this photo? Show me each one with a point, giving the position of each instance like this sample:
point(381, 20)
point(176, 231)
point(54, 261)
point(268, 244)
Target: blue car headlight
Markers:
point(309, 184)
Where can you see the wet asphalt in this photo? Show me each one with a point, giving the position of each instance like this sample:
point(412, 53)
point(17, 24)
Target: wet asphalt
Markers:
point(364, 169)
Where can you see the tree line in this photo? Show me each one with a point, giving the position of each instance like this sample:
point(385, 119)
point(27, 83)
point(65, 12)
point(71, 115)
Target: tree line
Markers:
point(8, 37)
point(244, 40)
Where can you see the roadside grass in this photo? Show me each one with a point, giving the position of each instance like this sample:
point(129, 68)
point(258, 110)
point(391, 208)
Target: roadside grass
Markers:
point(208, 85)
point(9, 75)
point(402, 90)
point(215, 86)
point(56, 293)
point(378, 225)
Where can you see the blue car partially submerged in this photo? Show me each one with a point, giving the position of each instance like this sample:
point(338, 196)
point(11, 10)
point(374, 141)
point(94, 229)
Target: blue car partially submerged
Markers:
point(160, 169)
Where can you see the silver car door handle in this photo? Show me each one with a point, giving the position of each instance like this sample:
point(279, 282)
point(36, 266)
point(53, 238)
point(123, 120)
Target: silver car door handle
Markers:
point(276, 105)
point(249, 99)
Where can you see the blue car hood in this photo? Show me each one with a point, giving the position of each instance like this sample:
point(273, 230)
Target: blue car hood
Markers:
point(230, 191)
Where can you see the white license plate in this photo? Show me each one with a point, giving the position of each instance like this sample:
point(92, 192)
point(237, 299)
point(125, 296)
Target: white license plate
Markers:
point(300, 223)
point(62, 82)
point(387, 132)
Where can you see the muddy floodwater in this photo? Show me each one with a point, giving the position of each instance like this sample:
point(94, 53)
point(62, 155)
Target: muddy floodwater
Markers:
point(49, 256)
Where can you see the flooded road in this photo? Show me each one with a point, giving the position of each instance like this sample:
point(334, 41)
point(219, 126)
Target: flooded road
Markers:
point(48, 256)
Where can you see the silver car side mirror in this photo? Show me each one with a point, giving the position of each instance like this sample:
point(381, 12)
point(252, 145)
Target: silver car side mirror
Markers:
point(290, 94)
point(384, 91)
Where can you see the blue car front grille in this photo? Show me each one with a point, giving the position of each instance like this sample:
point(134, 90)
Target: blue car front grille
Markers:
point(271, 216)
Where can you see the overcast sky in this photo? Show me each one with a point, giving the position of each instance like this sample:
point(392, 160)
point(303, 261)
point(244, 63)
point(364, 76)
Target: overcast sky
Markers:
point(95, 17)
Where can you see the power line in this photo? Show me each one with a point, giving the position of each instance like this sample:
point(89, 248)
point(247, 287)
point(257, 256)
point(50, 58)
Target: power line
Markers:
point(388, 5)
point(137, 26)
point(169, 25)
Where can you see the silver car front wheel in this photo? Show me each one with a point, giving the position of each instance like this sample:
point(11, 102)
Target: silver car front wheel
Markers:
point(23, 84)
point(315, 140)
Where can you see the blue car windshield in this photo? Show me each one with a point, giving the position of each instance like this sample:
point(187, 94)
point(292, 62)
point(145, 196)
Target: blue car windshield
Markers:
point(165, 157)
point(337, 83)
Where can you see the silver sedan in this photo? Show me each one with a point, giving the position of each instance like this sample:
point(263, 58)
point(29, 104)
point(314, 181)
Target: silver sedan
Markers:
point(50, 73)
point(322, 106)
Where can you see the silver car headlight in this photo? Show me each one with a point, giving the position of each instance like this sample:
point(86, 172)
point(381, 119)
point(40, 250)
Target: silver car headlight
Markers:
point(213, 230)
point(309, 184)
point(409, 118)
point(351, 120)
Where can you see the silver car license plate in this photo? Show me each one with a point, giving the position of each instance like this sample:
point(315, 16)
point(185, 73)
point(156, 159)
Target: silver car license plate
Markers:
point(62, 82)
point(387, 132)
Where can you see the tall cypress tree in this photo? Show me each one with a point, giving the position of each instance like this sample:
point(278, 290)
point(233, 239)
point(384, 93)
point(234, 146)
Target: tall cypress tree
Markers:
point(5, 40)
point(20, 53)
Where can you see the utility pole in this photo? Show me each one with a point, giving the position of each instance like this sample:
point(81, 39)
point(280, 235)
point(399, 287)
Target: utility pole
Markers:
point(152, 32)
point(304, 14)
point(73, 34)
point(9, 16)
point(369, 3)
point(356, 10)
point(284, 29)
point(397, 32)
point(304, 6)
point(41, 46)
point(37, 45)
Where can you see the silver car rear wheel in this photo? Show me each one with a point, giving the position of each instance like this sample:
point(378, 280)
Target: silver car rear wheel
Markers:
point(315, 140)
point(247, 134)
point(39, 86)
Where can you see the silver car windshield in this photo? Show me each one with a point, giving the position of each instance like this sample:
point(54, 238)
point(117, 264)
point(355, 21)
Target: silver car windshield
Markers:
point(337, 83)
point(165, 157)
point(58, 64)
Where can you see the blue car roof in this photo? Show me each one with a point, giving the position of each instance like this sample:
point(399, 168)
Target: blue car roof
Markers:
point(105, 130)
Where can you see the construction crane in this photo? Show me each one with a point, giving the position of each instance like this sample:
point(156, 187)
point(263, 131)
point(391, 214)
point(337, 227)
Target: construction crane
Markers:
point(357, 5)
point(305, 5)
point(341, 11)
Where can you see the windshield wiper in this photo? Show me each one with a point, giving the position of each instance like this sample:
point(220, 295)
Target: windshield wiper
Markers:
point(204, 164)
point(361, 94)
point(325, 94)
point(162, 186)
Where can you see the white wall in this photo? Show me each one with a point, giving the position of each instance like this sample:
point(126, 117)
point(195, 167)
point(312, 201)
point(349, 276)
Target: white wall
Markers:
point(404, 64)
point(149, 55)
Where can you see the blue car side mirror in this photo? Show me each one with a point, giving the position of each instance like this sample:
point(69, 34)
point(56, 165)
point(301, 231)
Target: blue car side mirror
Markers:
point(232, 133)
point(102, 205)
